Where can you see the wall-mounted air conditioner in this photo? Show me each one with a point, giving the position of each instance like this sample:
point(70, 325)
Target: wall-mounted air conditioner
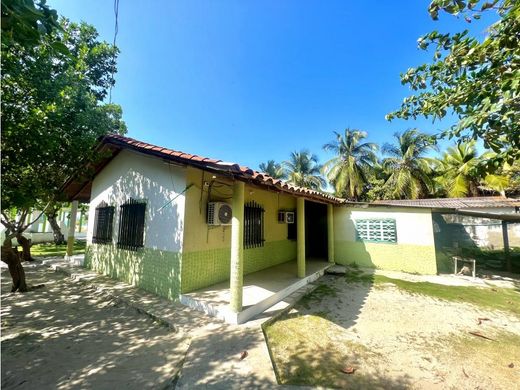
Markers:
point(286, 216)
point(219, 213)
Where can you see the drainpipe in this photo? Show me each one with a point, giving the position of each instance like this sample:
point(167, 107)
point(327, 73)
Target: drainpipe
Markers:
point(300, 235)
point(236, 279)
point(72, 228)
point(330, 232)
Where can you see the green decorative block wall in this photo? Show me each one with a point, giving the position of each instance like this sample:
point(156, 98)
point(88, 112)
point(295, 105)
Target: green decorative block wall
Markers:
point(203, 268)
point(152, 270)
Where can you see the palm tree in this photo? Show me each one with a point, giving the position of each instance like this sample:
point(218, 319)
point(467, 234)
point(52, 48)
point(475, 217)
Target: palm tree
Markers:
point(303, 170)
point(273, 169)
point(408, 169)
point(347, 171)
point(459, 172)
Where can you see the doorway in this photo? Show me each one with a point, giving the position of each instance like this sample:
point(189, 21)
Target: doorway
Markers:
point(316, 247)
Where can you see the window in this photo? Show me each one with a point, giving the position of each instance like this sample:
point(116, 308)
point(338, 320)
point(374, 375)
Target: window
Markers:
point(291, 229)
point(131, 225)
point(253, 225)
point(103, 224)
point(376, 230)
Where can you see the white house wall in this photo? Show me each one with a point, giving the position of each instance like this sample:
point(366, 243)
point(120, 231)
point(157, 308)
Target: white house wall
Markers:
point(157, 266)
point(133, 175)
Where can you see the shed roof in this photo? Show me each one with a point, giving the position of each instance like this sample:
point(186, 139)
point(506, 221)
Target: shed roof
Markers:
point(455, 203)
point(78, 186)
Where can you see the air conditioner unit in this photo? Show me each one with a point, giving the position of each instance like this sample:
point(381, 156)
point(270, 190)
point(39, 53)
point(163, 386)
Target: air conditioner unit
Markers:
point(219, 213)
point(286, 216)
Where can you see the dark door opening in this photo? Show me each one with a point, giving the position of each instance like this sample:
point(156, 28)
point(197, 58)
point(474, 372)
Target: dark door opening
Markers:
point(316, 231)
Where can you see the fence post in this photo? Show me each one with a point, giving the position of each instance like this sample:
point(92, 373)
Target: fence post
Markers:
point(505, 236)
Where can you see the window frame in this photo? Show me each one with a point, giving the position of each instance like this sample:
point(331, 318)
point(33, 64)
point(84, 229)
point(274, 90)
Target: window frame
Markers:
point(131, 231)
point(391, 222)
point(253, 236)
point(107, 212)
point(292, 228)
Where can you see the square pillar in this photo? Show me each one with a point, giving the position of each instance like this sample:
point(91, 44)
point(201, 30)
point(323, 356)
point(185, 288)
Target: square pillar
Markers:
point(72, 228)
point(330, 233)
point(300, 236)
point(236, 279)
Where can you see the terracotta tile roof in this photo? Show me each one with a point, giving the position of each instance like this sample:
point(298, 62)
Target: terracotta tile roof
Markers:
point(455, 203)
point(237, 171)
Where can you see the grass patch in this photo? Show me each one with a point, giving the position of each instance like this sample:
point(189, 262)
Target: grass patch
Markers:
point(52, 250)
point(358, 276)
point(311, 350)
point(506, 299)
point(479, 356)
point(323, 290)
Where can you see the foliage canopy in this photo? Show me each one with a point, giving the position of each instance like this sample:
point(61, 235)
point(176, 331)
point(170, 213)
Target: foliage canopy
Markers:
point(53, 110)
point(477, 82)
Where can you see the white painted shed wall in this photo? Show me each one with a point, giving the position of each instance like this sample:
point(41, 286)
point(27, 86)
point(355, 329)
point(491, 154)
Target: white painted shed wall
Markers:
point(414, 226)
point(134, 175)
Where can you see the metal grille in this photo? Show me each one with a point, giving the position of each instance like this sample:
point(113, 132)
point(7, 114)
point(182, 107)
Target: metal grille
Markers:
point(376, 230)
point(211, 213)
point(253, 225)
point(103, 224)
point(131, 225)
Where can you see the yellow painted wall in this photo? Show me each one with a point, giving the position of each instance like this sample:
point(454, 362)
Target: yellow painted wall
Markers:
point(413, 252)
point(206, 249)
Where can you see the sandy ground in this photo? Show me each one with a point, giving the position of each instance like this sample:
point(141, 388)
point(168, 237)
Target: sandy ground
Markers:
point(412, 336)
point(67, 335)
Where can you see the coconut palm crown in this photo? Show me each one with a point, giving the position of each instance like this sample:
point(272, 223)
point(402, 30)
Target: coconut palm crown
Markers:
point(459, 172)
point(347, 170)
point(303, 170)
point(273, 169)
point(408, 169)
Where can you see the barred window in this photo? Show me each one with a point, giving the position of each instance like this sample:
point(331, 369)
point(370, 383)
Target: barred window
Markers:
point(376, 230)
point(131, 225)
point(253, 225)
point(103, 221)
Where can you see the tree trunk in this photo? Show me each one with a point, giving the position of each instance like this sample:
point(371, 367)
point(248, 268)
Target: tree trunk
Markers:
point(11, 257)
point(26, 247)
point(473, 189)
point(59, 238)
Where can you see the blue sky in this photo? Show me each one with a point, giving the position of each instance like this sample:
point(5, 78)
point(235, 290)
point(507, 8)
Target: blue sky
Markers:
point(248, 81)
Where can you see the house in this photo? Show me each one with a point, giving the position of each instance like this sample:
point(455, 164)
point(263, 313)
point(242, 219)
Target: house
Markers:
point(485, 222)
point(226, 239)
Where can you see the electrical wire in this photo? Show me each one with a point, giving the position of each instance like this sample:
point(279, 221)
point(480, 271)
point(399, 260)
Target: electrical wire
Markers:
point(116, 30)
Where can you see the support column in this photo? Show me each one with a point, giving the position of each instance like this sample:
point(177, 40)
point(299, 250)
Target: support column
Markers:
point(72, 228)
point(236, 280)
point(505, 236)
point(300, 235)
point(330, 233)
point(80, 221)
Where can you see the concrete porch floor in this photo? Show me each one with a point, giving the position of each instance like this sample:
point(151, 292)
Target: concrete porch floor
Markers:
point(262, 289)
